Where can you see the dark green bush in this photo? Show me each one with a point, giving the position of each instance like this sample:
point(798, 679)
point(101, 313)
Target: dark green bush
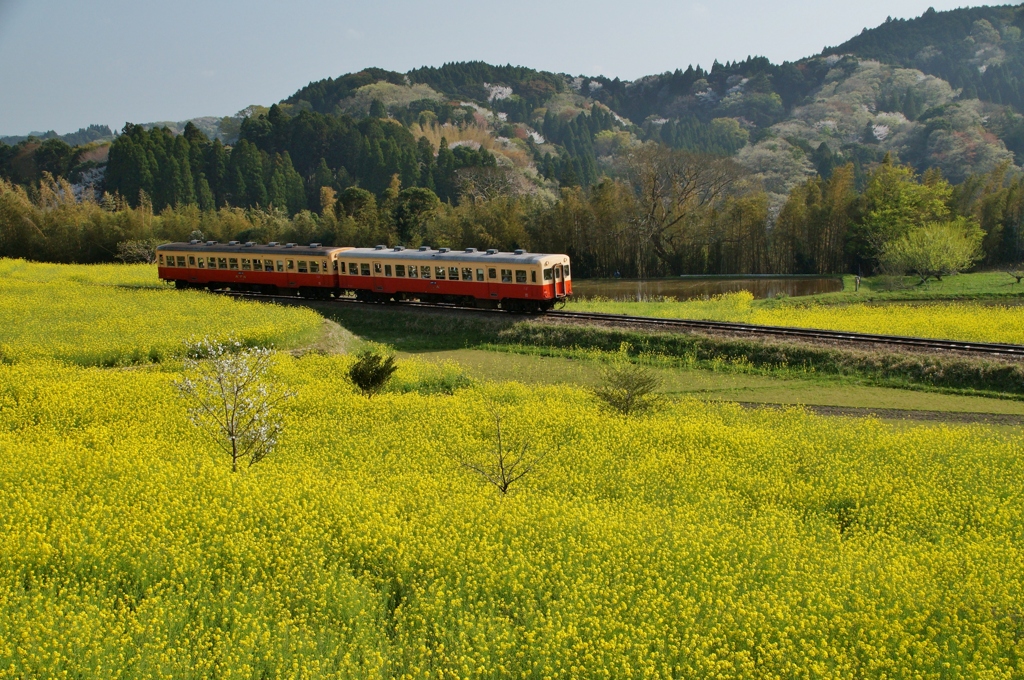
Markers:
point(372, 371)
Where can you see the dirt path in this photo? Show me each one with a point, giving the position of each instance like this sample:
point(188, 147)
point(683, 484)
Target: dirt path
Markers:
point(901, 414)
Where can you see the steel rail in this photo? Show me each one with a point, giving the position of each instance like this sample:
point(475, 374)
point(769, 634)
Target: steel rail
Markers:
point(993, 348)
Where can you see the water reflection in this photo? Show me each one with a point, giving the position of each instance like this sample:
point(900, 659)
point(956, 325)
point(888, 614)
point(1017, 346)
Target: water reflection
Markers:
point(688, 288)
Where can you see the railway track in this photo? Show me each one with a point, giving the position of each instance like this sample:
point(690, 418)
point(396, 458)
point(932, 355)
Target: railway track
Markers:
point(812, 334)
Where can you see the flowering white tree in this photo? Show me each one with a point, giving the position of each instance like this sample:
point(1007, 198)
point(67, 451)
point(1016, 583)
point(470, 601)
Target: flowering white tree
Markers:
point(232, 399)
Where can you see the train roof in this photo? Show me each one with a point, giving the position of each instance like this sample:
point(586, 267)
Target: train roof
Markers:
point(383, 252)
point(462, 255)
point(313, 249)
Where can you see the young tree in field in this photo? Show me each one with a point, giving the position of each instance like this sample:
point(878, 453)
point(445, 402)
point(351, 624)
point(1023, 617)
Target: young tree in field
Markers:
point(372, 371)
point(628, 387)
point(507, 460)
point(232, 398)
point(935, 250)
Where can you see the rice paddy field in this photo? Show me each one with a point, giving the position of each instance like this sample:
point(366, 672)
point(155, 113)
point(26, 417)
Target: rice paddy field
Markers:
point(945, 320)
point(700, 540)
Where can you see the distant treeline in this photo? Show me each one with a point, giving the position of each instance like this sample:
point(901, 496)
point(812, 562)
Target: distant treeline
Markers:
point(670, 212)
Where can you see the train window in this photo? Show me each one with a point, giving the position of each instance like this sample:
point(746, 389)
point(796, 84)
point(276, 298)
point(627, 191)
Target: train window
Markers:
point(353, 268)
point(290, 265)
point(246, 264)
point(387, 270)
point(314, 267)
point(257, 265)
point(506, 276)
point(492, 273)
point(232, 263)
point(325, 270)
point(268, 265)
point(364, 268)
point(302, 267)
point(453, 273)
point(191, 260)
point(399, 270)
point(467, 274)
point(547, 274)
point(565, 270)
point(280, 265)
point(424, 272)
point(212, 262)
point(181, 260)
point(533, 276)
point(202, 263)
point(438, 272)
point(413, 271)
point(161, 259)
point(376, 267)
point(222, 263)
point(336, 266)
point(520, 276)
point(479, 274)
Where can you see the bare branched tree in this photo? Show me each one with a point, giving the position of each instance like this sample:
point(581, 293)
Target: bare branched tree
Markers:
point(486, 183)
point(675, 191)
point(506, 462)
point(232, 399)
point(134, 252)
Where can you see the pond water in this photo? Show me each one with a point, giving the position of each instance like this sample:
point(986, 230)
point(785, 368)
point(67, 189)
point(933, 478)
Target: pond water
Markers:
point(693, 287)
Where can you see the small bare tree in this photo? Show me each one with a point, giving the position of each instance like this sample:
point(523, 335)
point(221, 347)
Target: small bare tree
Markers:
point(1016, 271)
point(506, 462)
point(628, 387)
point(232, 399)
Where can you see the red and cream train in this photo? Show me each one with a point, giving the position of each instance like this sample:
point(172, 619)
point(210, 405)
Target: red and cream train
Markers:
point(518, 281)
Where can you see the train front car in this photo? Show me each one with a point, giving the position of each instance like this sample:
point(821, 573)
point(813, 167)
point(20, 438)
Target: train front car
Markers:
point(517, 281)
point(310, 271)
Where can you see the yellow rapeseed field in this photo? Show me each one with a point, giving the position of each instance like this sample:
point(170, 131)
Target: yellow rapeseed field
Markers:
point(701, 541)
point(126, 275)
point(951, 320)
point(96, 316)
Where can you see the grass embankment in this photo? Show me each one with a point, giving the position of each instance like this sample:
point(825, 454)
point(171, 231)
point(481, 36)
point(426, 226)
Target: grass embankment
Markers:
point(946, 320)
point(700, 540)
point(106, 316)
point(414, 331)
point(894, 369)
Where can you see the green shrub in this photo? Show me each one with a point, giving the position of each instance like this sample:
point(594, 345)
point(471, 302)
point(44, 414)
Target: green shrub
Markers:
point(372, 371)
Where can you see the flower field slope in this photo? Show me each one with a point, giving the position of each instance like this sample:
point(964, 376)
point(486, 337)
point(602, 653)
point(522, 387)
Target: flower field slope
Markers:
point(951, 321)
point(105, 325)
point(128, 275)
point(700, 541)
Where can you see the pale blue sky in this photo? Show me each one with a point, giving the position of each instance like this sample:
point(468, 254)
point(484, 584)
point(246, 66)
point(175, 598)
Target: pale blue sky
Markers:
point(64, 65)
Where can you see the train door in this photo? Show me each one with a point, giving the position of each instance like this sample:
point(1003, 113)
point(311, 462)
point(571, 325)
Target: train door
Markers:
point(492, 283)
point(378, 277)
point(559, 282)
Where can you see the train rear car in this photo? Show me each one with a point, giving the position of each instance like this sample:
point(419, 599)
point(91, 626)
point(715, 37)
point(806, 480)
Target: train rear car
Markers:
point(311, 271)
